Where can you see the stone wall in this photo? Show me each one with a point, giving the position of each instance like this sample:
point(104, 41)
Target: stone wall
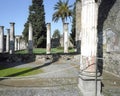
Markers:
point(26, 58)
point(23, 44)
point(56, 42)
point(109, 35)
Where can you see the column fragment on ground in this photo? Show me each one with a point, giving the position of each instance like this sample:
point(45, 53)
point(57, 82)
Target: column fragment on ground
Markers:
point(89, 15)
point(48, 38)
point(1, 39)
point(65, 37)
point(12, 32)
point(78, 27)
point(8, 40)
point(30, 39)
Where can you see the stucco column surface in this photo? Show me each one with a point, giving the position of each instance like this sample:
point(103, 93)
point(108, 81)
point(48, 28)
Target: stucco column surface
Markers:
point(12, 32)
point(48, 38)
point(65, 37)
point(89, 36)
point(8, 40)
point(1, 39)
point(30, 39)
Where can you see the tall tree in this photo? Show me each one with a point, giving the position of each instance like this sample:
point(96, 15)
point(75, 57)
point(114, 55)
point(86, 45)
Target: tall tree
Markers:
point(37, 18)
point(73, 30)
point(62, 11)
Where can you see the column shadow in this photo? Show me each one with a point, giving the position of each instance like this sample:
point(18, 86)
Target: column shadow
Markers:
point(103, 13)
point(55, 59)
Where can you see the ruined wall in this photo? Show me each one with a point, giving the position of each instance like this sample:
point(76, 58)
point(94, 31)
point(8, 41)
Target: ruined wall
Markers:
point(22, 44)
point(109, 35)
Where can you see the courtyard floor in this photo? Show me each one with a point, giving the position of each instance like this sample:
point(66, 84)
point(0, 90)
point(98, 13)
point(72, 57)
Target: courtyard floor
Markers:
point(58, 79)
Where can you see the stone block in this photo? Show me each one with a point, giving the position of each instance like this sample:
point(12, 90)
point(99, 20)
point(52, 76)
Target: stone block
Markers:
point(88, 87)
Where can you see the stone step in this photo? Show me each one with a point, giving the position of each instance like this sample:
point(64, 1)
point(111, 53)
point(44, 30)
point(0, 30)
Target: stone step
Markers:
point(38, 82)
point(67, 90)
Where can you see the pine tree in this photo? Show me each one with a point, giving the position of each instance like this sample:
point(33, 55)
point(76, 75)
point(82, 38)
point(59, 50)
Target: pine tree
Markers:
point(37, 18)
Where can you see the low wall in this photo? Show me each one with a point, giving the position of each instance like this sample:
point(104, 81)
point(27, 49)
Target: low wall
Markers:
point(26, 58)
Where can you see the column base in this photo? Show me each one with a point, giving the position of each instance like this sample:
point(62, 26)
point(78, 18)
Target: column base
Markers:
point(87, 85)
point(11, 52)
point(90, 74)
point(47, 52)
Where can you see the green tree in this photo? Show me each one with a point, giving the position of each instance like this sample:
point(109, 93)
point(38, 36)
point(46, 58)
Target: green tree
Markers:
point(73, 30)
point(37, 18)
point(62, 11)
point(56, 34)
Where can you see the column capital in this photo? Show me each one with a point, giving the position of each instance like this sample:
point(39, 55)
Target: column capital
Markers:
point(8, 30)
point(12, 23)
point(48, 23)
point(88, 1)
point(2, 27)
point(66, 23)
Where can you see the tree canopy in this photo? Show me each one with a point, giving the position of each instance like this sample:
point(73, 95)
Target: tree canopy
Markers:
point(56, 34)
point(37, 19)
point(62, 11)
point(73, 30)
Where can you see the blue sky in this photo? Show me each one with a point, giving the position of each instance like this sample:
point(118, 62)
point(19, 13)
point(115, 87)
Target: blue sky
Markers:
point(17, 11)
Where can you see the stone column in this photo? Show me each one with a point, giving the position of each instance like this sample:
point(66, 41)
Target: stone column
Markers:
point(87, 80)
point(1, 39)
point(78, 26)
point(65, 37)
point(12, 37)
point(16, 43)
point(30, 39)
point(8, 40)
point(48, 38)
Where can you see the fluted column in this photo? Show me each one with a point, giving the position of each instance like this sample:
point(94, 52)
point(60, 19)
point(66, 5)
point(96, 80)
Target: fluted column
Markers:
point(48, 38)
point(65, 37)
point(89, 83)
point(89, 36)
point(12, 32)
point(30, 39)
point(8, 40)
point(1, 39)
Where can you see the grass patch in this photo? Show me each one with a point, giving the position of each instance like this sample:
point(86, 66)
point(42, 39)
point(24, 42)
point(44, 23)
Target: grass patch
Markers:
point(17, 72)
point(43, 51)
